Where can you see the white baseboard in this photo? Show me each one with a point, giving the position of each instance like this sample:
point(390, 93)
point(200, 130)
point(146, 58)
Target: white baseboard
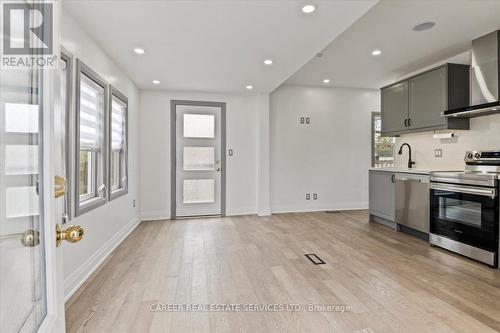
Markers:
point(163, 215)
point(155, 215)
point(297, 209)
point(234, 211)
point(74, 281)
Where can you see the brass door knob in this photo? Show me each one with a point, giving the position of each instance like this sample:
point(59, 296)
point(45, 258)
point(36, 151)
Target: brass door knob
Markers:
point(72, 234)
point(30, 238)
point(59, 186)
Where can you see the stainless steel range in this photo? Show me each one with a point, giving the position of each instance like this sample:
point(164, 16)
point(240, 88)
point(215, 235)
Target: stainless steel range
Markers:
point(464, 210)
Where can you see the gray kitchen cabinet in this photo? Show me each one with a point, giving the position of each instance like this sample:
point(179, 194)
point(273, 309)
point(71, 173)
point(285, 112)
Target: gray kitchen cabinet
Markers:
point(427, 99)
point(395, 107)
point(419, 106)
point(382, 196)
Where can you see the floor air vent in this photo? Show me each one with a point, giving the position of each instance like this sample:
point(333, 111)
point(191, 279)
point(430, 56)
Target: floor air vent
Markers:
point(315, 259)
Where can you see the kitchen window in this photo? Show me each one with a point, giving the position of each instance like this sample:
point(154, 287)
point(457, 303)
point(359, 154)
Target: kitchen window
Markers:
point(382, 147)
point(118, 144)
point(91, 96)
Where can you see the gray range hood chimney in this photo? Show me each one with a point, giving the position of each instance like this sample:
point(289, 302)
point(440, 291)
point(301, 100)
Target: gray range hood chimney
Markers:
point(484, 78)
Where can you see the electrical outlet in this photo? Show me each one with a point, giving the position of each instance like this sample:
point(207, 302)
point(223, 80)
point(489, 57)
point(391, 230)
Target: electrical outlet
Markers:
point(133, 203)
point(308, 196)
point(308, 120)
point(315, 196)
point(302, 120)
point(230, 152)
point(438, 153)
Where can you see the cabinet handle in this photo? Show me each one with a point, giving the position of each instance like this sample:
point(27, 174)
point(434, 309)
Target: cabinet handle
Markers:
point(406, 122)
point(393, 178)
point(409, 122)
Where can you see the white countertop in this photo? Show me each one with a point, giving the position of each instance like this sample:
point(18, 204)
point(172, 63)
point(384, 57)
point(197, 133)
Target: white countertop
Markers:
point(406, 170)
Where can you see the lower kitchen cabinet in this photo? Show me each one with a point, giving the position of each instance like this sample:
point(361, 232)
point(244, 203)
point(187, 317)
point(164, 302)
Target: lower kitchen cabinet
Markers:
point(382, 197)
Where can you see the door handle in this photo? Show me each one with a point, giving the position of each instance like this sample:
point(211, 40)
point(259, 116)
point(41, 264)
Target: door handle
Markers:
point(29, 238)
point(72, 234)
point(59, 186)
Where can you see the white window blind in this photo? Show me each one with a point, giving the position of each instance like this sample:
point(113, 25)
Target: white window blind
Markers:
point(91, 108)
point(118, 109)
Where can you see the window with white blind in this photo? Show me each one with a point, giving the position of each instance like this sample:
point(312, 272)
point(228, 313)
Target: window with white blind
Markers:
point(91, 95)
point(118, 147)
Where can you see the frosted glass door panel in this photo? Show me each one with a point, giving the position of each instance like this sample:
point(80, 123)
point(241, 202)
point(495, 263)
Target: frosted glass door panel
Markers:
point(21, 118)
point(199, 158)
point(21, 159)
point(199, 191)
point(199, 126)
point(22, 201)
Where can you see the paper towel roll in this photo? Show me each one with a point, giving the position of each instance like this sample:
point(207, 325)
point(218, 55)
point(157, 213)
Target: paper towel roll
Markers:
point(443, 135)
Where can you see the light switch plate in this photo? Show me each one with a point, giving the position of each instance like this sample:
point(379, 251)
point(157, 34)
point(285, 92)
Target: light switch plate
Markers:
point(308, 196)
point(308, 120)
point(315, 196)
point(302, 120)
point(438, 152)
point(230, 152)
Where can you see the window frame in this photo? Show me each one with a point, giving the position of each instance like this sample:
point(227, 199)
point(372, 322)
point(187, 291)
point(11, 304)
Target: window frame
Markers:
point(67, 57)
point(123, 187)
point(81, 207)
point(373, 132)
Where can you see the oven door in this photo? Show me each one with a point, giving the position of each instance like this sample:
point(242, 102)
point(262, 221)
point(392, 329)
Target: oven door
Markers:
point(466, 214)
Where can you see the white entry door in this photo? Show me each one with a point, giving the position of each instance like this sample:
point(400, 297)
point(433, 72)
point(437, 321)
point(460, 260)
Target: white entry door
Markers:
point(31, 273)
point(199, 160)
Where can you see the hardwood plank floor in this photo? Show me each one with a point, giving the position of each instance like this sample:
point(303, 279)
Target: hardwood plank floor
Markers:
point(392, 282)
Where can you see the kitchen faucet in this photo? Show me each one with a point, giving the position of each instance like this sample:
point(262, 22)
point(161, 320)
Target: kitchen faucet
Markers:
point(410, 162)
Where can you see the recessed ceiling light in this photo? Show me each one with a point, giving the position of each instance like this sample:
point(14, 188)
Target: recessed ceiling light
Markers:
point(308, 9)
point(268, 62)
point(249, 87)
point(424, 26)
point(326, 81)
point(156, 82)
point(139, 51)
point(376, 52)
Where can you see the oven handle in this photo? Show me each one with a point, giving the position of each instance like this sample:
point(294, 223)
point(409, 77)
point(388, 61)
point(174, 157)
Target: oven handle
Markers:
point(491, 192)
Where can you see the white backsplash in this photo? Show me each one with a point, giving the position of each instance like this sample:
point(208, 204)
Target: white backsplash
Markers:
point(483, 135)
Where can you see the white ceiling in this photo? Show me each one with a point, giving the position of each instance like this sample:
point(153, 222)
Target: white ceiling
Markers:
point(348, 62)
point(213, 45)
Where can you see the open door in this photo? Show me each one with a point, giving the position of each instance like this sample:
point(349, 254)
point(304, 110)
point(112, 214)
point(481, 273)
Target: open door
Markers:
point(31, 190)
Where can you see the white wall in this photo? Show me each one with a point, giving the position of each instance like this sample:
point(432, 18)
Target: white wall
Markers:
point(241, 136)
point(330, 156)
point(106, 225)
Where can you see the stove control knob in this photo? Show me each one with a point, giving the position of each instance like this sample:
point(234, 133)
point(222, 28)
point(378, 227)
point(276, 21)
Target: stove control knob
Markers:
point(477, 155)
point(469, 155)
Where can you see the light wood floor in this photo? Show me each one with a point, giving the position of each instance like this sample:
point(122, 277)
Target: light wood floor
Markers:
point(391, 281)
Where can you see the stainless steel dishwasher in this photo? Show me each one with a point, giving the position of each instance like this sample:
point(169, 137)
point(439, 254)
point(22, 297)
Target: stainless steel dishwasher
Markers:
point(412, 201)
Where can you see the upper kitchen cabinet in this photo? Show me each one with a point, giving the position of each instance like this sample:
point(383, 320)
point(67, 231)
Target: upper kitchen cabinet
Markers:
point(416, 104)
point(394, 107)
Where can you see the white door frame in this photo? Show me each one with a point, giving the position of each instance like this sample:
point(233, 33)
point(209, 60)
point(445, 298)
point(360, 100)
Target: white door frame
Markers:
point(54, 322)
point(173, 151)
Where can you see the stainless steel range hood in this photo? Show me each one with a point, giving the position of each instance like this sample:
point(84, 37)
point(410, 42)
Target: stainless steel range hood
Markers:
point(484, 78)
